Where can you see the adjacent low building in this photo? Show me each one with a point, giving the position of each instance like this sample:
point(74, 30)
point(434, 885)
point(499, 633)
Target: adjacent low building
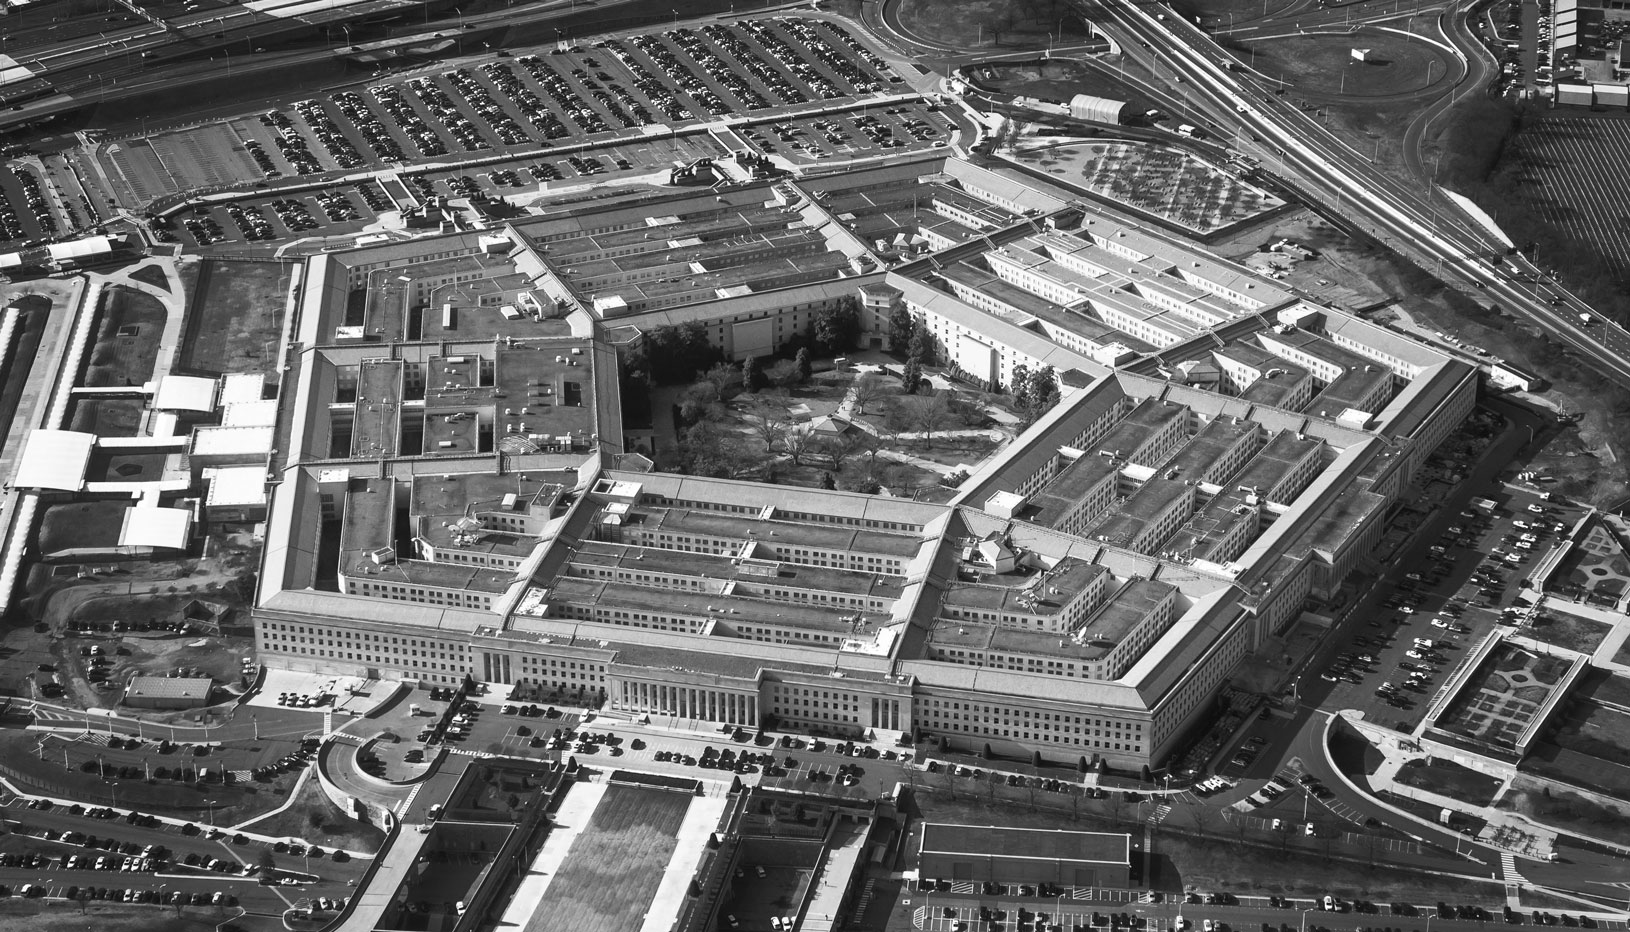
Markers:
point(993, 854)
point(167, 692)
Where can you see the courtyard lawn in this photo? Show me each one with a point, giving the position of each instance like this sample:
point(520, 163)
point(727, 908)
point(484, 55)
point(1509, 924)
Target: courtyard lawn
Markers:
point(1450, 779)
point(613, 868)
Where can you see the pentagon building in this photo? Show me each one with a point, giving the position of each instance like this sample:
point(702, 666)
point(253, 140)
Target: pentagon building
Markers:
point(452, 496)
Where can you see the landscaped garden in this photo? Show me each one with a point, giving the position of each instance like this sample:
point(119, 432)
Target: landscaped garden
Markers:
point(1161, 181)
point(906, 427)
point(1501, 699)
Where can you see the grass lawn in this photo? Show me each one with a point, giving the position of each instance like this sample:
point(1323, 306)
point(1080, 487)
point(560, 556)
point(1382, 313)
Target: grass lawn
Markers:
point(987, 23)
point(127, 339)
point(20, 761)
point(1450, 779)
point(331, 828)
point(614, 867)
point(152, 275)
point(1570, 631)
point(41, 916)
point(1622, 655)
point(1323, 63)
point(236, 311)
point(81, 524)
point(1605, 688)
point(1596, 730)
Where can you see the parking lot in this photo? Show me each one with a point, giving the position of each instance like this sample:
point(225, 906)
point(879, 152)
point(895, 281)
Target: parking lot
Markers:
point(803, 91)
point(1400, 655)
point(73, 852)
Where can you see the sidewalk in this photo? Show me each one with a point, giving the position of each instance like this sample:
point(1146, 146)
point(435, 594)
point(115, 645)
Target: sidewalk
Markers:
point(1502, 829)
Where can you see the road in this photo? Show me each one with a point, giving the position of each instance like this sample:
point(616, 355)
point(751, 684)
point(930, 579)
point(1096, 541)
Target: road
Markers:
point(1293, 144)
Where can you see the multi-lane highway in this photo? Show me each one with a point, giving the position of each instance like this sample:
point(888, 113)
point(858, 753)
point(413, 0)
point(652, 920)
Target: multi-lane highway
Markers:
point(1293, 144)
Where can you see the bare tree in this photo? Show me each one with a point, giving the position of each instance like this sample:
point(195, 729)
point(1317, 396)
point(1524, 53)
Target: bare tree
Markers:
point(1199, 816)
point(847, 444)
point(798, 441)
point(769, 421)
point(868, 388)
point(931, 414)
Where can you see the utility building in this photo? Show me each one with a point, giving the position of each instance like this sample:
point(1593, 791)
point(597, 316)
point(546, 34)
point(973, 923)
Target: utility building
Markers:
point(978, 853)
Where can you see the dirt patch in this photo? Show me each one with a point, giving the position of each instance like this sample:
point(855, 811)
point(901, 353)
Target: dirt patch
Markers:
point(128, 334)
point(152, 275)
point(107, 417)
point(236, 316)
point(71, 526)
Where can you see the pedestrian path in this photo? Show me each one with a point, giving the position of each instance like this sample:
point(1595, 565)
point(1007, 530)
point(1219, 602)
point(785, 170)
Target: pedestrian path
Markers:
point(1508, 868)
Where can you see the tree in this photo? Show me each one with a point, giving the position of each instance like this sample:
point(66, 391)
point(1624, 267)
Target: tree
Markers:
point(930, 414)
point(700, 402)
point(845, 445)
point(911, 376)
point(865, 390)
point(805, 368)
point(752, 378)
point(707, 449)
point(837, 328)
point(784, 374)
point(1199, 816)
point(798, 441)
point(721, 376)
point(769, 421)
point(901, 327)
point(921, 347)
point(830, 483)
point(1043, 388)
point(1020, 389)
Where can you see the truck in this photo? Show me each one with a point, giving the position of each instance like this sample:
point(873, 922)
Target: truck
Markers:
point(1184, 129)
point(1584, 320)
point(1447, 817)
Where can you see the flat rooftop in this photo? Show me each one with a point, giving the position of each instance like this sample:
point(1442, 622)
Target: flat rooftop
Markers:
point(1139, 511)
point(776, 535)
point(727, 569)
point(1196, 459)
point(1274, 461)
point(1067, 489)
point(1025, 594)
point(1026, 843)
point(377, 424)
point(704, 606)
point(1146, 420)
point(1123, 611)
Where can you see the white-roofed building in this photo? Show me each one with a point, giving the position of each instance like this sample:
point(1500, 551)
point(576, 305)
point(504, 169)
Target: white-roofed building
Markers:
point(249, 414)
point(231, 446)
point(185, 393)
point(151, 527)
point(55, 459)
point(168, 692)
point(238, 387)
point(236, 493)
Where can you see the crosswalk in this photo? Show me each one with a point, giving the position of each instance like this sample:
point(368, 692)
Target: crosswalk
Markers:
point(1158, 815)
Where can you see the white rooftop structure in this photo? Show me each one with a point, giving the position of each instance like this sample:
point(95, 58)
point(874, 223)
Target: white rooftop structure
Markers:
point(232, 441)
point(236, 485)
point(238, 387)
point(54, 459)
point(185, 393)
point(249, 414)
point(152, 525)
